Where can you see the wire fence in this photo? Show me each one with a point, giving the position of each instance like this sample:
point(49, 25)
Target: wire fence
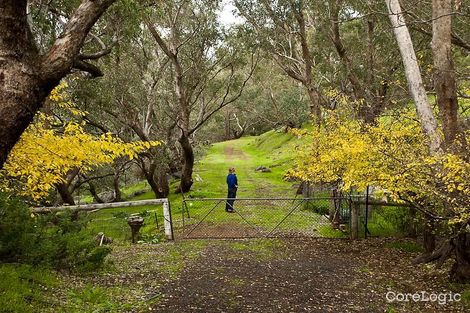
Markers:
point(328, 217)
point(379, 218)
point(114, 223)
point(150, 219)
point(263, 217)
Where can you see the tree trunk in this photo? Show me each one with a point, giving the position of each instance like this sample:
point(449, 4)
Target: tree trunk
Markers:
point(228, 130)
point(65, 194)
point(429, 238)
point(93, 193)
point(315, 104)
point(444, 73)
point(413, 75)
point(314, 96)
point(117, 189)
point(66, 188)
point(163, 185)
point(460, 271)
point(20, 95)
point(334, 209)
point(188, 164)
point(26, 78)
point(150, 177)
point(153, 184)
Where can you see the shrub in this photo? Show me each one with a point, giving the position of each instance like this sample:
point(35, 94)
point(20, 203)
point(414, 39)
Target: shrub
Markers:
point(55, 240)
point(17, 229)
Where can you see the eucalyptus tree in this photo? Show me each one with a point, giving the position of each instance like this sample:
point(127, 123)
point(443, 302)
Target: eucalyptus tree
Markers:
point(446, 23)
point(205, 69)
point(445, 86)
point(271, 100)
point(28, 72)
point(133, 101)
point(360, 36)
point(288, 30)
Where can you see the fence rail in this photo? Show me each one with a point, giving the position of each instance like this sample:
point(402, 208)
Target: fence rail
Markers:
point(167, 218)
point(350, 216)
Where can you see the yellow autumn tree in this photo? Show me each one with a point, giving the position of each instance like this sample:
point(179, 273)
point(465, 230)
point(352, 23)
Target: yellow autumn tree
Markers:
point(392, 155)
point(44, 154)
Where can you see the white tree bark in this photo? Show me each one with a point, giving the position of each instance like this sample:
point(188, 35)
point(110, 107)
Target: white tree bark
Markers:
point(413, 75)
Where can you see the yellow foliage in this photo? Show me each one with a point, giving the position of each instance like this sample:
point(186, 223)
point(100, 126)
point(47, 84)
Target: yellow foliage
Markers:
point(43, 155)
point(392, 155)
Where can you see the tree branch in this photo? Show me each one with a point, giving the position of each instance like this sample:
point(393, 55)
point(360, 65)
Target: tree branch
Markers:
point(224, 102)
point(61, 56)
point(160, 41)
point(96, 55)
point(455, 40)
point(92, 69)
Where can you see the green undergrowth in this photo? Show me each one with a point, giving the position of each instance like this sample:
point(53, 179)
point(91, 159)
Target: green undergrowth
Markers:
point(405, 246)
point(92, 299)
point(466, 297)
point(29, 289)
point(113, 223)
point(24, 288)
point(328, 232)
point(145, 266)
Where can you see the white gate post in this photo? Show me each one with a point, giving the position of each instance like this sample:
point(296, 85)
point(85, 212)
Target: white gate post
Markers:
point(167, 220)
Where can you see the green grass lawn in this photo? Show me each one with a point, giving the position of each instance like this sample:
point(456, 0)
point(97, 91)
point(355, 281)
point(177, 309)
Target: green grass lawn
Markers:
point(23, 288)
point(254, 218)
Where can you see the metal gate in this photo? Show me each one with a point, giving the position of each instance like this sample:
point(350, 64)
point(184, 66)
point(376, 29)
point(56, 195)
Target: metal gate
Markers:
point(264, 217)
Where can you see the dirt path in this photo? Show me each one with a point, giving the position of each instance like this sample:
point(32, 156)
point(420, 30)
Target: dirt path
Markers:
point(240, 160)
point(232, 154)
point(300, 276)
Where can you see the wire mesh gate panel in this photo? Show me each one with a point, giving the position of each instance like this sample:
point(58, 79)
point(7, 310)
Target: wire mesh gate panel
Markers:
point(258, 217)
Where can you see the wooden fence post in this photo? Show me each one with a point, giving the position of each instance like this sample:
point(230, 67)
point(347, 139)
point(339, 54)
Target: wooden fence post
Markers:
point(167, 220)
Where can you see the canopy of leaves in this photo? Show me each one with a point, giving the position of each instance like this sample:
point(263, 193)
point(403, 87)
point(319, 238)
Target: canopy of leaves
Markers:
point(392, 155)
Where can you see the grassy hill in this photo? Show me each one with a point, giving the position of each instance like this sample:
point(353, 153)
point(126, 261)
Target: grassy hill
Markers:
point(274, 150)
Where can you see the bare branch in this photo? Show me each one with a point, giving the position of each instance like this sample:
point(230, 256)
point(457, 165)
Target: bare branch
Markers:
point(163, 45)
point(225, 101)
point(92, 69)
point(96, 55)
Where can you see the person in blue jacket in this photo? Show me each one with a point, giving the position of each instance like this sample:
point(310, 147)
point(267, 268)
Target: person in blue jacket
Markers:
point(232, 185)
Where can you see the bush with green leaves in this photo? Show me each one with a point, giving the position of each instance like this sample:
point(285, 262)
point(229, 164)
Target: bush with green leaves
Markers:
point(18, 231)
point(56, 240)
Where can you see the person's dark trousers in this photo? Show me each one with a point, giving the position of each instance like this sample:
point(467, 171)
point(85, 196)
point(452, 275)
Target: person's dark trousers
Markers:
point(232, 193)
